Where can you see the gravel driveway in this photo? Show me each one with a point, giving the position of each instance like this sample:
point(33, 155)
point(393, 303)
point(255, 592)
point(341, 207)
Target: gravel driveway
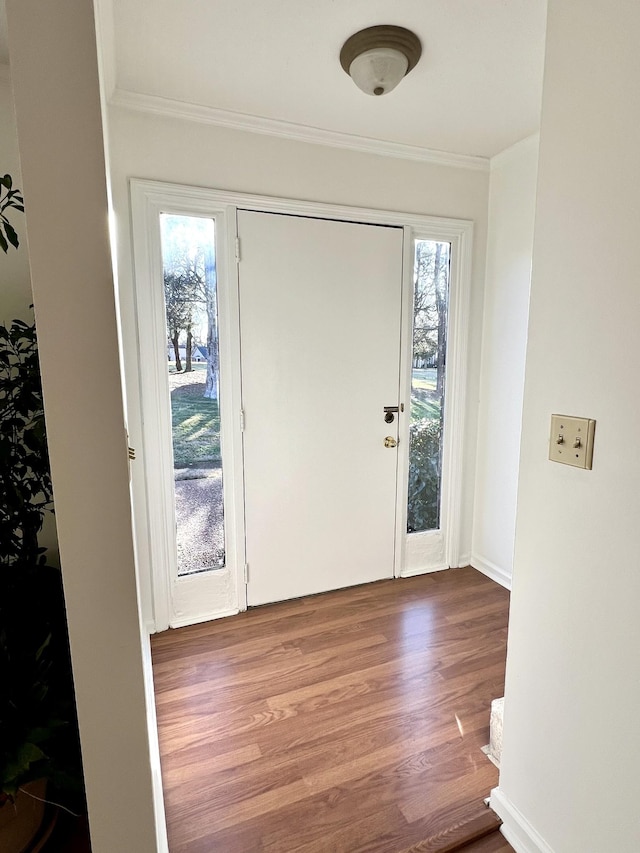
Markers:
point(199, 512)
point(199, 518)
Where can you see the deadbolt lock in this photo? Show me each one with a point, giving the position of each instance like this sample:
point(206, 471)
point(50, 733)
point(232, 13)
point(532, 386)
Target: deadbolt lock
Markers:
point(389, 416)
point(390, 441)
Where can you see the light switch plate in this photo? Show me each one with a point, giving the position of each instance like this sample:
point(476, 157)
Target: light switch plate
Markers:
point(571, 440)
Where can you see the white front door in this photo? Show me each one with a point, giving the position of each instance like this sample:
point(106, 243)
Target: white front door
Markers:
point(320, 306)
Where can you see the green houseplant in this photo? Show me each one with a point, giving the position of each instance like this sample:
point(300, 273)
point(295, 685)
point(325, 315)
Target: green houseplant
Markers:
point(38, 727)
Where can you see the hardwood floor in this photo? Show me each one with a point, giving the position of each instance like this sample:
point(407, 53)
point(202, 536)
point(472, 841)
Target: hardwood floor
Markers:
point(349, 722)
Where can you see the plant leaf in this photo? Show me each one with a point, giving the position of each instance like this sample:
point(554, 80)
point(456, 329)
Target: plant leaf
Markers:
point(27, 754)
point(12, 236)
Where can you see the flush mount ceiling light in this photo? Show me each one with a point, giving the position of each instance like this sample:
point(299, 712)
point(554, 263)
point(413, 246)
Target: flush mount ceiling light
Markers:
point(379, 57)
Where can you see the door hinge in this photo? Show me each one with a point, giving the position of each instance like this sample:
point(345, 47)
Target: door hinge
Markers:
point(241, 420)
point(237, 250)
point(131, 453)
point(246, 572)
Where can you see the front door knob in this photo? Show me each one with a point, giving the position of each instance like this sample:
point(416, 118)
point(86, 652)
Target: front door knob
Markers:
point(390, 441)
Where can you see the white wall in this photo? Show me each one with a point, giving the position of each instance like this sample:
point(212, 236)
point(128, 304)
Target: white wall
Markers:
point(512, 195)
point(572, 709)
point(57, 97)
point(15, 282)
point(179, 151)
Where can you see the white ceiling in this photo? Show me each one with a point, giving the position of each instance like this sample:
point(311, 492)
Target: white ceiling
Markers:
point(475, 91)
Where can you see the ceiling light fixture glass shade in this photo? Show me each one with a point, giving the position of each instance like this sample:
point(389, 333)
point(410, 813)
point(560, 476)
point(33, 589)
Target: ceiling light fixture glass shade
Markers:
point(378, 71)
point(379, 57)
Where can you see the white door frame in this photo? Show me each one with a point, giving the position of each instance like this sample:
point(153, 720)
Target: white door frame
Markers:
point(415, 554)
point(437, 549)
point(207, 595)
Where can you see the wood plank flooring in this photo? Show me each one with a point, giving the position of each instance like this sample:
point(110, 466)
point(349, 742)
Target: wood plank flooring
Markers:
point(349, 722)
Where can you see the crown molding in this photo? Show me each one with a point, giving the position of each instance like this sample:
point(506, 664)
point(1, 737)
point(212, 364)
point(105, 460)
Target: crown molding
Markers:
point(169, 108)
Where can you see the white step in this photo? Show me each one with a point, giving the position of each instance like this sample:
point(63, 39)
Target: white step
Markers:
point(495, 729)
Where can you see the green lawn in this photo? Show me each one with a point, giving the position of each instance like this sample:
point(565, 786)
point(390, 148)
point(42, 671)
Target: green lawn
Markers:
point(195, 421)
point(424, 379)
point(424, 406)
point(196, 431)
point(424, 409)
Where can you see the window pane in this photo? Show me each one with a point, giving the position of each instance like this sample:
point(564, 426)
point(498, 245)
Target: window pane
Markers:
point(189, 267)
point(430, 310)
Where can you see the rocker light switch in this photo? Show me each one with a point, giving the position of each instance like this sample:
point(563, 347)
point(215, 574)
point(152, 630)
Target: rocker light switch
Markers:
point(571, 440)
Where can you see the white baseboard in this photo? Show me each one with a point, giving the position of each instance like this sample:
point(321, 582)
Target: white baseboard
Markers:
point(515, 827)
point(412, 572)
point(162, 841)
point(491, 570)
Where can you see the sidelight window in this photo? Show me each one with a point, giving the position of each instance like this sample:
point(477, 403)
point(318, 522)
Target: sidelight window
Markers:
point(190, 296)
point(431, 278)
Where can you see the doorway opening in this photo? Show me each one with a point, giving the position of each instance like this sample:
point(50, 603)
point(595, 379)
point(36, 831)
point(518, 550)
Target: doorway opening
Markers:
point(415, 301)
